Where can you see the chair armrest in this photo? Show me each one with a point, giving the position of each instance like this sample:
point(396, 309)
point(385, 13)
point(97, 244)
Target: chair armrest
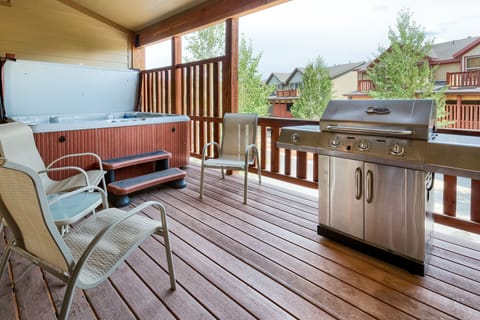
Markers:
point(83, 172)
point(91, 247)
point(80, 190)
point(74, 155)
point(247, 152)
point(205, 148)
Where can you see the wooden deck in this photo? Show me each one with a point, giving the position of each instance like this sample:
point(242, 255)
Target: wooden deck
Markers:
point(262, 260)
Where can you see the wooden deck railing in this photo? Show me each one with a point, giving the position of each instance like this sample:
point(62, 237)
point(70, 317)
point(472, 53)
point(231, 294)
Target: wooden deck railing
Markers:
point(200, 97)
point(465, 116)
point(287, 93)
point(449, 215)
point(463, 79)
point(156, 93)
point(365, 85)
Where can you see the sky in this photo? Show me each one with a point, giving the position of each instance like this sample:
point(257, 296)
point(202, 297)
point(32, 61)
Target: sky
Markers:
point(294, 33)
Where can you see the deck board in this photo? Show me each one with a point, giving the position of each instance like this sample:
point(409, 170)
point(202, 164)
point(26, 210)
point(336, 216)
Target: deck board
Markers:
point(263, 260)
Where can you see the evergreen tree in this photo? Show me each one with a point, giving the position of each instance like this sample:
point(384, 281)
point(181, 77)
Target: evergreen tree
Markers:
point(316, 91)
point(402, 71)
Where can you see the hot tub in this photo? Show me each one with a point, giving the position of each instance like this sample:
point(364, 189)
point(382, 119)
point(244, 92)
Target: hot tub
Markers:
point(112, 136)
point(74, 109)
point(54, 123)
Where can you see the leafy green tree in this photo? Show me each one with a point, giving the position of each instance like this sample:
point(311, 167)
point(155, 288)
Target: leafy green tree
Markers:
point(316, 91)
point(402, 71)
point(252, 91)
point(206, 43)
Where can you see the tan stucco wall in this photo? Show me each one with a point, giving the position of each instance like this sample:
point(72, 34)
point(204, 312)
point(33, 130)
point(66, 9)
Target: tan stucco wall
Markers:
point(346, 83)
point(441, 72)
point(47, 30)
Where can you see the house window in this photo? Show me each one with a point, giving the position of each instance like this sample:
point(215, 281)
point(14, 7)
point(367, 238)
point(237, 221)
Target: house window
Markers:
point(473, 63)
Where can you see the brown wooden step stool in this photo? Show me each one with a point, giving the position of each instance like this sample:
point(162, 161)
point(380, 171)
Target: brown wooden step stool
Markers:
point(119, 190)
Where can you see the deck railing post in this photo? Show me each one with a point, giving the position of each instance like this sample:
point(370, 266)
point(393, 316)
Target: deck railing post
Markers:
point(475, 201)
point(450, 195)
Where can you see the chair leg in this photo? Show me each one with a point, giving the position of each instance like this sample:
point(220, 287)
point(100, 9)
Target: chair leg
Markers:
point(259, 171)
point(67, 300)
point(201, 181)
point(168, 252)
point(245, 179)
point(6, 255)
point(168, 249)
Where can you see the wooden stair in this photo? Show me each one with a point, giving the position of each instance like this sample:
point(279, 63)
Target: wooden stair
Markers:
point(119, 190)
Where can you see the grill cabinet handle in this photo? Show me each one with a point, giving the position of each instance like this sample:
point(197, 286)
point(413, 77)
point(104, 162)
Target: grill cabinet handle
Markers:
point(353, 129)
point(358, 183)
point(369, 192)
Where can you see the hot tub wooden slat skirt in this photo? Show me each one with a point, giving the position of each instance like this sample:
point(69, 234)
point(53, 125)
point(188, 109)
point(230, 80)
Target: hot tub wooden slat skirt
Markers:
point(117, 142)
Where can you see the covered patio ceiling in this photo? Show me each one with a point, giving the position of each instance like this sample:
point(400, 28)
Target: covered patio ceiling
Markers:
point(153, 20)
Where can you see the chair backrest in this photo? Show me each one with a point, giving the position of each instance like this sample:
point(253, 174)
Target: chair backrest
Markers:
point(18, 145)
point(238, 131)
point(24, 206)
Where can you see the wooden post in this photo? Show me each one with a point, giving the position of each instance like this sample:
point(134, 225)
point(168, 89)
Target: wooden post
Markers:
point(138, 58)
point(301, 165)
point(138, 62)
point(177, 74)
point(274, 151)
point(230, 67)
point(263, 149)
point(475, 201)
point(450, 195)
point(288, 162)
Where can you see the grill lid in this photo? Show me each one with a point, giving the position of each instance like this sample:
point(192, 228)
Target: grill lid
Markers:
point(414, 119)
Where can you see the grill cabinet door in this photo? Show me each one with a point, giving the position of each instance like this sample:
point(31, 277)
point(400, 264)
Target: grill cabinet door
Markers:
point(385, 206)
point(346, 196)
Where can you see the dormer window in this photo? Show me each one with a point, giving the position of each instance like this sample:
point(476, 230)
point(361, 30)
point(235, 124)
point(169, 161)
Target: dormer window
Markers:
point(472, 63)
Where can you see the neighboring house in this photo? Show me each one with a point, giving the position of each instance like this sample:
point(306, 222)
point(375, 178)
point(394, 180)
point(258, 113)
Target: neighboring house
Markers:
point(457, 65)
point(288, 86)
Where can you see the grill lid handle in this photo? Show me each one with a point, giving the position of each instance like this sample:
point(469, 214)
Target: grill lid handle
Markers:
point(378, 110)
point(364, 130)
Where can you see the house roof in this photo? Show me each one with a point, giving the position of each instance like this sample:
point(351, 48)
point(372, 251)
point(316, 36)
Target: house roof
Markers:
point(340, 69)
point(334, 71)
point(281, 77)
point(452, 49)
point(296, 70)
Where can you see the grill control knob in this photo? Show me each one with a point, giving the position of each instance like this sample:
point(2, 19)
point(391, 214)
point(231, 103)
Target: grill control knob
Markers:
point(397, 150)
point(335, 142)
point(363, 146)
point(295, 137)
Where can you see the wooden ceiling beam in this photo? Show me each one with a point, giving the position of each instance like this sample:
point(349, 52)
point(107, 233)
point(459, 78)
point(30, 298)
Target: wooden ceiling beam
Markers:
point(202, 15)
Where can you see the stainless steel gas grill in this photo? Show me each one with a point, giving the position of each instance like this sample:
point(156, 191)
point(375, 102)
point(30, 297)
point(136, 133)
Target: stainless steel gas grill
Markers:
point(373, 188)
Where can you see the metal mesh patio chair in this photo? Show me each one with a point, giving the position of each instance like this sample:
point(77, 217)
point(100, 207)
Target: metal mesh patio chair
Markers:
point(237, 150)
point(17, 144)
point(87, 254)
